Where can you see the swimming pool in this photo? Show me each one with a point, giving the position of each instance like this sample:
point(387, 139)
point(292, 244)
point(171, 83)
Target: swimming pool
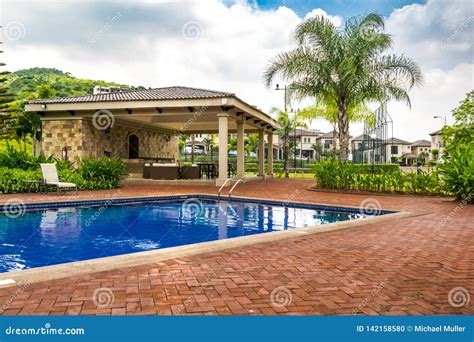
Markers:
point(50, 234)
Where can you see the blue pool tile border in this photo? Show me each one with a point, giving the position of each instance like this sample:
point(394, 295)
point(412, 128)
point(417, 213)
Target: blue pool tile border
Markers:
point(114, 201)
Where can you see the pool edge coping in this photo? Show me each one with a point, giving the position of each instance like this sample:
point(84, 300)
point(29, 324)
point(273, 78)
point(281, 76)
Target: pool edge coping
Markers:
point(97, 265)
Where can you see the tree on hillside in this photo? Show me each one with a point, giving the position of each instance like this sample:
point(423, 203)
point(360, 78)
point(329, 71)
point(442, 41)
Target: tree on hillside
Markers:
point(6, 107)
point(347, 66)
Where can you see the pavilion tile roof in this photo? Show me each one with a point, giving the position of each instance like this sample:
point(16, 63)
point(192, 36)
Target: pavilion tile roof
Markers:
point(167, 93)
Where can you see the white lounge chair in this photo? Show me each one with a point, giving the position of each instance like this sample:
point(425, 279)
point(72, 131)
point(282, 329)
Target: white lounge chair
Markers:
point(50, 178)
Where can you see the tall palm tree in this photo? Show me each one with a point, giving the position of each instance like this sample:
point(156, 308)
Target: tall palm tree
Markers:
point(287, 124)
point(327, 110)
point(347, 66)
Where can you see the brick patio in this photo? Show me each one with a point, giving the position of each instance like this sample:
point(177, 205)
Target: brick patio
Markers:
point(405, 266)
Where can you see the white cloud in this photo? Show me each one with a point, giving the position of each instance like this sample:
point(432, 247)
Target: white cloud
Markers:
point(144, 43)
point(318, 12)
point(438, 36)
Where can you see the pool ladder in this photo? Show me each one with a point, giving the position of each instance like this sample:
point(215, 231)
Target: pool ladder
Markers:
point(236, 183)
point(232, 189)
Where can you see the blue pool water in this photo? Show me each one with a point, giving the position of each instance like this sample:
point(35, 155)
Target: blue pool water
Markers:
point(48, 236)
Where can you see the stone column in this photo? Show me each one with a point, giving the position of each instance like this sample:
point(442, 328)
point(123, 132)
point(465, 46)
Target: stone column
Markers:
point(223, 140)
point(240, 150)
point(270, 153)
point(261, 153)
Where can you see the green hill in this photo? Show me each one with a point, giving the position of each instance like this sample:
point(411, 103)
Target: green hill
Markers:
point(23, 83)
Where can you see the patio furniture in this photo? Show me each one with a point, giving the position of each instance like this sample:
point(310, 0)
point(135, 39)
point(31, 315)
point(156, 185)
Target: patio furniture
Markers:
point(147, 171)
point(190, 172)
point(208, 169)
point(51, 178)
point(164, 171)
point(33, 184)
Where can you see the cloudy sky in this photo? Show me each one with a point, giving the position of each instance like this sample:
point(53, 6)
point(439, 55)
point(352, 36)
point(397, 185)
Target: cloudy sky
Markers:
point(225, 45)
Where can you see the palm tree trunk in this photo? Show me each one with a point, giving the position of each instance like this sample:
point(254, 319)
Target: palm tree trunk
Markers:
point(343, 124)
point(285, 156)
point(334, 140)
point(192, 149)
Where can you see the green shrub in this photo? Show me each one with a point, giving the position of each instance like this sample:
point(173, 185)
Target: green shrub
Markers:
point(11, 180)
point(334, 174)
point(92, 174)
point(14, 159)
point(103, 173)
point(458, 172)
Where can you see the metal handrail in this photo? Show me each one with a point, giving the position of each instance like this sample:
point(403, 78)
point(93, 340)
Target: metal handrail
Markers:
point(222, 187)
point(236, 183)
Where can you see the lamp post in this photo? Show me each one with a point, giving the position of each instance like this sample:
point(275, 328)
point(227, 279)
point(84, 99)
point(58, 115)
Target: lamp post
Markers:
point(373, 136)
point(443, 118)
point(284, 94)
point(285, 106)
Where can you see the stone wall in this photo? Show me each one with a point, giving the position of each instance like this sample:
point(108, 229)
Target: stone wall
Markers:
point(59, 133)
point(84, 140)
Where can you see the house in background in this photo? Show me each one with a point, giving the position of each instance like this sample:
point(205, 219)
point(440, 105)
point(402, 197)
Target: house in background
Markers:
point(421, 147)
point(305, 140)
point(437, 141)
point(398, 149)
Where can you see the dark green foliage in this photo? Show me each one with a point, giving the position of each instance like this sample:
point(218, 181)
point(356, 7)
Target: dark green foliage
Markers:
point(14, 159)
point(458, 172)
point(91, 174)
point(333, 174)
point(105, 172)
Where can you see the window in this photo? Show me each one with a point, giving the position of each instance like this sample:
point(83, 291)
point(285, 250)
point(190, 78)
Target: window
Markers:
point(394, 149)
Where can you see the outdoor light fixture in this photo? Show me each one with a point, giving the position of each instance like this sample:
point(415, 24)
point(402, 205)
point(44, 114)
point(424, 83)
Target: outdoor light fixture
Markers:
point(440, 117)
point(64, 152)
point(43, 106)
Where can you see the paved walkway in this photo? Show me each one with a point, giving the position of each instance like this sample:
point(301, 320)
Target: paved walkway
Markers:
point(417, 265)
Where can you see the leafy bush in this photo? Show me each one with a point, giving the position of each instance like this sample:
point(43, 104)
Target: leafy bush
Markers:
point(103, 173)
point(11, 180)
point(458, 172)
point(92, 174)
point(12, 158)
point(334, 174)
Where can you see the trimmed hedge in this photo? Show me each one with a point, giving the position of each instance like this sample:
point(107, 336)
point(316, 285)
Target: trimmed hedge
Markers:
point(333, 174)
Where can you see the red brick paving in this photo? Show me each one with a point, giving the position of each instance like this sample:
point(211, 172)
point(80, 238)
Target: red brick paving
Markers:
point(404, 266)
